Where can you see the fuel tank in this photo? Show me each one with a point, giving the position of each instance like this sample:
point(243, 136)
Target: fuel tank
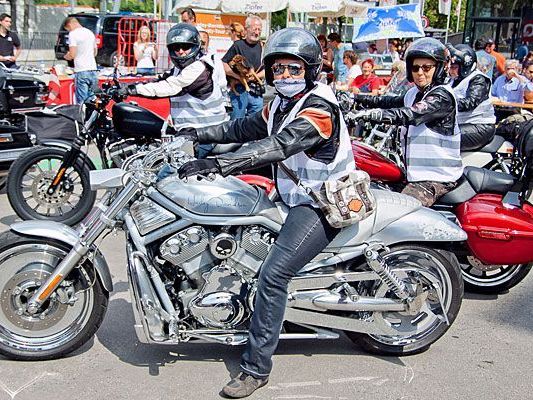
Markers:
point(219, 197)
point(376, 165)
point(132, 121)
point(497, 234)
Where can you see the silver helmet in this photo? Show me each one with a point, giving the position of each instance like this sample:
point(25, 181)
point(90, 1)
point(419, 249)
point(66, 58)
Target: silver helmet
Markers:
point(293, 42)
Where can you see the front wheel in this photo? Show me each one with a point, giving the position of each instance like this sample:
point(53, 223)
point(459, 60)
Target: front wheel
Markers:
point(492, 279)
point(31, 175)
point(68, 319)
point(438, 275)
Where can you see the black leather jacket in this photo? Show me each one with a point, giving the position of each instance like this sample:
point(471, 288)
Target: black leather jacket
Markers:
point(478, 91)
point(260, 148)
point(436, 110)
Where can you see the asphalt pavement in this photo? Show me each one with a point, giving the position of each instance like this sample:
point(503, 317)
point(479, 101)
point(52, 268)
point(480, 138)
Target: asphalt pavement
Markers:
point(486, 354)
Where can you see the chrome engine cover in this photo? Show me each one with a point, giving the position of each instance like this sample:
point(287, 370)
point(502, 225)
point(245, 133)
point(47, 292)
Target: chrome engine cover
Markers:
point(149, 216)
point(222, 301)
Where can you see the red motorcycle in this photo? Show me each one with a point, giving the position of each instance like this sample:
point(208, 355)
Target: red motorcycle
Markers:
point(499, 251)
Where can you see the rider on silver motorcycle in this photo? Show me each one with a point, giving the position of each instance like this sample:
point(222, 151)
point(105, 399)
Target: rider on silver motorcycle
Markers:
point(476, 113)
point(302, 127)
point(428, 113)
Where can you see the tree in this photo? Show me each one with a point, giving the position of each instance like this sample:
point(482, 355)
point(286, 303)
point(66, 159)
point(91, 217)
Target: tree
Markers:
point(13, 4)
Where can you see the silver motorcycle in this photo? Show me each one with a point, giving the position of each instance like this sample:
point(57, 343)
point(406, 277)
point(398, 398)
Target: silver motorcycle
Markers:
point(194, 250)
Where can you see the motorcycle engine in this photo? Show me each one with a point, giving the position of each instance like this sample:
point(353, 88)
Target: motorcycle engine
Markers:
point(121, 150)
point(222, 266)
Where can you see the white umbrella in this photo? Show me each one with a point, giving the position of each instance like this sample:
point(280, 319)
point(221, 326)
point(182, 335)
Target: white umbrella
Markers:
point(202, 4)
point(252, 6)
point(316, 6)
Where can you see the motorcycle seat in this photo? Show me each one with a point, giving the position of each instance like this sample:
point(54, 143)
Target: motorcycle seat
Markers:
point(493, 145)
point(486, 181)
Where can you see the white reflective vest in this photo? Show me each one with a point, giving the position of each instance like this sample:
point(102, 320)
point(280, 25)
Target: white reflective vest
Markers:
point(189, 111)
point(312, 173)
point(429, 155)
point(483, 113)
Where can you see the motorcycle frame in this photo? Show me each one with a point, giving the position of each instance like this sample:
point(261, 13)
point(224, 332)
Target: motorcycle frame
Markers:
point(106, 217)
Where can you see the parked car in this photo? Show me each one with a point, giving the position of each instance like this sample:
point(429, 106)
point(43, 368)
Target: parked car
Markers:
point(105, 27)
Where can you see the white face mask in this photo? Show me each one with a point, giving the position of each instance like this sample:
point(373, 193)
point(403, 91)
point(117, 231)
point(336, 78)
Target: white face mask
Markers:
point(289, 87)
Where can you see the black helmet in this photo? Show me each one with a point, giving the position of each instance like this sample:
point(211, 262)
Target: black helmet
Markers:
point(295, 42)
point(183, 34)
point(428, 48)
point(464, 56)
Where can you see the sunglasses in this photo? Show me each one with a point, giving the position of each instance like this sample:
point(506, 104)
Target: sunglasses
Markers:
point(182, 46)
point(294, 69)
point(425, 67)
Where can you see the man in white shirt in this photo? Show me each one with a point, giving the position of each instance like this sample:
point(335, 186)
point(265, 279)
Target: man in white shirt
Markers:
point(82, 49)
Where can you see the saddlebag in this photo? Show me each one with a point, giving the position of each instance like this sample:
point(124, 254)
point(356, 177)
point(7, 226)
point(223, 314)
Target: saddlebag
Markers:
point(46, 126)
point(497, 234)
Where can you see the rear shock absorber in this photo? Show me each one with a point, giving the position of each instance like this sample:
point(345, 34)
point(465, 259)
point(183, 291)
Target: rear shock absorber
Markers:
point(380, 267)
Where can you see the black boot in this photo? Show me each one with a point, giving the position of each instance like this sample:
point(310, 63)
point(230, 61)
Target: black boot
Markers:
point(243, 386)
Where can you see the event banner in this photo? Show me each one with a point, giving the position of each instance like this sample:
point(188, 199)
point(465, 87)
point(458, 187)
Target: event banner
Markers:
point(390, 22)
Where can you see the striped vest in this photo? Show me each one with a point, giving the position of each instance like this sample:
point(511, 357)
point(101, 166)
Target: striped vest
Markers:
point(483, 113)
point(189, 111)
point(429, 155)
point(312, 173)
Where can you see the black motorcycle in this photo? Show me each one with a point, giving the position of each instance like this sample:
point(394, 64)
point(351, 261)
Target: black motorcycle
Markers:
point(53, 182)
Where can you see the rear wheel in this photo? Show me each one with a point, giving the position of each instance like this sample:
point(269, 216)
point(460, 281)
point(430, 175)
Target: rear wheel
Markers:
point(67, 320)
point(491, 279)
point(31, 175)
point(438, 276)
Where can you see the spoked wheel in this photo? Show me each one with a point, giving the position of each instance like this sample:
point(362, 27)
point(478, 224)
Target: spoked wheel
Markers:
point(437, 278)
point(30, 177)
point(65, 321)
point(492, 279)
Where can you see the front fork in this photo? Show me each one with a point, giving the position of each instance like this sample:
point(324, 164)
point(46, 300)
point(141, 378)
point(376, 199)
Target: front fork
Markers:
point(105, 220)
point(68, 161)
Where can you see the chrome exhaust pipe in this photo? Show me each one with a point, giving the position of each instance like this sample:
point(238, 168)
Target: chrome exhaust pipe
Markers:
point(323, 300)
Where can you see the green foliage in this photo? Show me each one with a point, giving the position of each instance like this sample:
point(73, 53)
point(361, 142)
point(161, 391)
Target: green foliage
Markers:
point(279, 19)
point(436, 20)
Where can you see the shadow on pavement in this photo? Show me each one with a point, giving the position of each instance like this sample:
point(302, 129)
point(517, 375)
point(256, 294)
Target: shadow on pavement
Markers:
point(118, 336)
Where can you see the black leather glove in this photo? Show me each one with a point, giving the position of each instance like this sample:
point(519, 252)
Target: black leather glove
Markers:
point(202, 167)
point(374, 114)
point(187, 132)
point(127, 90)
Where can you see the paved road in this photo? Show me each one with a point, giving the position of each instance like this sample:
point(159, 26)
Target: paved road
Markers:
point(486, 354)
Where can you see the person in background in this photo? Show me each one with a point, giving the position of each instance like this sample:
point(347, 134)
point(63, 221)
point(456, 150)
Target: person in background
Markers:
point(327, 54)
point(398, 84)
point(476, 116)
point(500, 58)
point(188, 16)
point(82, 50)
point(511, 86)
point(339, 69)
point(372, 49)
point(521, 52)
point(393, 50)
point(527, 59)
point(485, 61)
point(145, 52)
point(236, 31)
point(247, 103)
point(9, 42)
point(406, 44)
point(354, 70)
point(527, 69)
point(367, 82)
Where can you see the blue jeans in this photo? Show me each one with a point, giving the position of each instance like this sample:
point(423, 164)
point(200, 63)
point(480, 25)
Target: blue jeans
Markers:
point(304, 235)
point(244, 104)
point(85, 82)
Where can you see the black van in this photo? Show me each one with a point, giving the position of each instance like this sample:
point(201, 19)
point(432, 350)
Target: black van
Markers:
point(105, 28)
